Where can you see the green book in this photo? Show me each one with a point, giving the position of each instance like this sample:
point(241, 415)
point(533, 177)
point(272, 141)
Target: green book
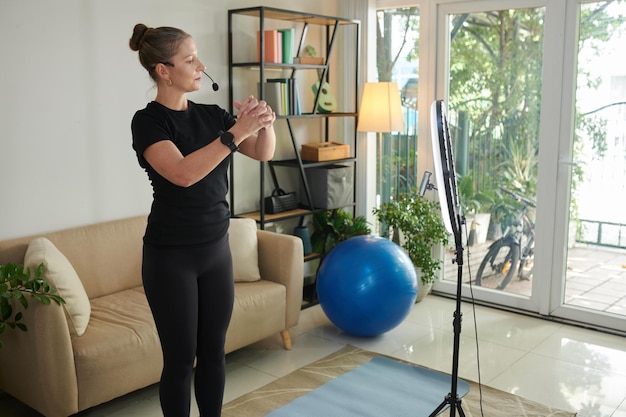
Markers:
point(289, 45)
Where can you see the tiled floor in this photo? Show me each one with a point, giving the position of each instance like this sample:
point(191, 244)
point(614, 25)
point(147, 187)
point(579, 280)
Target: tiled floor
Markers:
point(596, 277)
point(556, 364)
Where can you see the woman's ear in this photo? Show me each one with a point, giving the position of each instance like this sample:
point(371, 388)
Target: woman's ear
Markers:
point(162, 71)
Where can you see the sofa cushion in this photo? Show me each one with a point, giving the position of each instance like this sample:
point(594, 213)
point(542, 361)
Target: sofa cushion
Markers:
point(259, 311)
point(120, 351)
point(60, 273)
point(245, 250)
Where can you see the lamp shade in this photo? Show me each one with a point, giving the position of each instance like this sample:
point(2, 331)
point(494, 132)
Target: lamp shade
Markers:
point(381, 110)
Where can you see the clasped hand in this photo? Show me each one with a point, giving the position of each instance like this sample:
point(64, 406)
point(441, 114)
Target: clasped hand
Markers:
point(254, 114)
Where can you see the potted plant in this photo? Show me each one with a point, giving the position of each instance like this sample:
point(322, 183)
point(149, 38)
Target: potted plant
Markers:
point(473, 204)
point(502, 209)
point(415, 224)
point(15, 283)
point(331, 227)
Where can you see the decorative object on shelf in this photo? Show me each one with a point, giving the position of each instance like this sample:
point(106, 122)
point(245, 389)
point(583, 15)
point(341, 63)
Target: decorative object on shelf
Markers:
point(326, 102)
point(16, 283)
point(280, 201)
point(367, 285)
point(309, 57)
point(324, 151)
point(416, 225)
point(303, 233)
point(381, 111)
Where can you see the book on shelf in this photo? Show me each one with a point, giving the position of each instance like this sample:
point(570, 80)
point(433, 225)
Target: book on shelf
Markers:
point(273, 97)
point(284, 87)
point(273, 46)
point(289, 44)
point(282, 95)
point(280, 45)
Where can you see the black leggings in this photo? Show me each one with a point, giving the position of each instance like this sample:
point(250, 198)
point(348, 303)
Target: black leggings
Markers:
point(190, 291)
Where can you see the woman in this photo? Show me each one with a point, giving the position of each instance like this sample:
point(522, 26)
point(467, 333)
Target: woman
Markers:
point(186, 149)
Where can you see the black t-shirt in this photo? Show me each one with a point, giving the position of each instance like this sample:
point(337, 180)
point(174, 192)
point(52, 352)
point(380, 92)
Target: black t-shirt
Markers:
point(193, 215)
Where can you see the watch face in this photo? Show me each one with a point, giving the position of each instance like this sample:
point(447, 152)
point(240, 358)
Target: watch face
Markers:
point(227, 138)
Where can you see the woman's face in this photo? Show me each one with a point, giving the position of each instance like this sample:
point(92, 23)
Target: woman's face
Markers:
point(186, 72)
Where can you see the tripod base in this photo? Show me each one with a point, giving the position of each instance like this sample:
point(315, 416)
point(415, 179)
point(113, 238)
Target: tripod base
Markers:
point(455, 405)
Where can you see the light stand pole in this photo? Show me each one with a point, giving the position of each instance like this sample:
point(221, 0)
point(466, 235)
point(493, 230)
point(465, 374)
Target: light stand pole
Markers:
point(449, 201)
point(452, 399)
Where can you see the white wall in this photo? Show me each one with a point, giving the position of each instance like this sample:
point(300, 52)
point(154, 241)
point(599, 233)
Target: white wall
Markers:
point(69, 86)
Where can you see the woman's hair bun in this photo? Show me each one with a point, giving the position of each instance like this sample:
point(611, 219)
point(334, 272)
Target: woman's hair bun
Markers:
point(139, 34)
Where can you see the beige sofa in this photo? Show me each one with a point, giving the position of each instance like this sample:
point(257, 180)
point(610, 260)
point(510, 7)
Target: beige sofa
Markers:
point(58, 373)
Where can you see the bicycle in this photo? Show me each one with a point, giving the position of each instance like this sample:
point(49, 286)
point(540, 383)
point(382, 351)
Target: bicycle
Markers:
point(513, 252)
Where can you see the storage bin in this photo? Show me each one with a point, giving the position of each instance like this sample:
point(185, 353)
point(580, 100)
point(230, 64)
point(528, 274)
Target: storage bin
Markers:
point(331, 186)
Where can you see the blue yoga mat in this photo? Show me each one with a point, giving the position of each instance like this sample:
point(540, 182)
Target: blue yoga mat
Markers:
point(381, 387)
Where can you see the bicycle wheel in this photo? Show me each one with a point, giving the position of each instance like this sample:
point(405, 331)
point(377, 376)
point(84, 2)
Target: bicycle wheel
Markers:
point(499, 265)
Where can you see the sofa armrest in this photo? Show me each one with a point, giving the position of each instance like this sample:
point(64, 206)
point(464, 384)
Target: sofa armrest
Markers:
point(281, 259)
point(37, 367)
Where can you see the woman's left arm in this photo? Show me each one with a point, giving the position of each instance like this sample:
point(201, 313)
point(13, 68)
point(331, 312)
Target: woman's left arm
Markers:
point(261, 145)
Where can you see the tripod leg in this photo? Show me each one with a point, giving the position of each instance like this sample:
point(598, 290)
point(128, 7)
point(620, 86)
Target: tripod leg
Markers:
point(460, 409)
point(455, 405)
point(440, 407)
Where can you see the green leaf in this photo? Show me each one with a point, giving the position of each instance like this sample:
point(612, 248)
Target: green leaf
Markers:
point(20, 297)
point(58, 299)
point(39, 271)
point(42, 298)
point(45, 286)
point(5, 309)
point(15, 283)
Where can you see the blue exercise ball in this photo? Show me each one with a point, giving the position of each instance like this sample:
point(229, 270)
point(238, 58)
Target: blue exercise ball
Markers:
point(367, 285)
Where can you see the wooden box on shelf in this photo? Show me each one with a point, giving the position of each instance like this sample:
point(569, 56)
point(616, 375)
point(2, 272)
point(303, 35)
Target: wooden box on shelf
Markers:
point(309, 60)
point(324, 151)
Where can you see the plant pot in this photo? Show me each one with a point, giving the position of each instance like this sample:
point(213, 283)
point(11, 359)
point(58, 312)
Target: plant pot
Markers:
point(495, 231)
point(481, 223)
point(422, 289)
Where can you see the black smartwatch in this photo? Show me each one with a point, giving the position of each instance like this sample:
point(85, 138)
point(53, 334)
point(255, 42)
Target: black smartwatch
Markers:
point(228, 139)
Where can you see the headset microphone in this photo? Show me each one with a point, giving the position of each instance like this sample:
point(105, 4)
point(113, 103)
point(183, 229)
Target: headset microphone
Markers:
point(215, 86)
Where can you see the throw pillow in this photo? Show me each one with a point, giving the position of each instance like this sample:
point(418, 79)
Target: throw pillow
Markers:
point(245, 249)
point(60, 273)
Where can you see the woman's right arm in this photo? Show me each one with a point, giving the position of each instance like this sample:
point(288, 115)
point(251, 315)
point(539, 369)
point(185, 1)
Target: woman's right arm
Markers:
point(185, 171)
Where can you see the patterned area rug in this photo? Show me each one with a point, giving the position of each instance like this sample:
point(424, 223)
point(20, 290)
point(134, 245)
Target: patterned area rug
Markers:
point(261, 402)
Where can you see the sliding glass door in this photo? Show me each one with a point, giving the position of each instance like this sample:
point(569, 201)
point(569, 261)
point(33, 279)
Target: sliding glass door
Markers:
point(494, 66)
point(536, 96)
point(592, 287)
